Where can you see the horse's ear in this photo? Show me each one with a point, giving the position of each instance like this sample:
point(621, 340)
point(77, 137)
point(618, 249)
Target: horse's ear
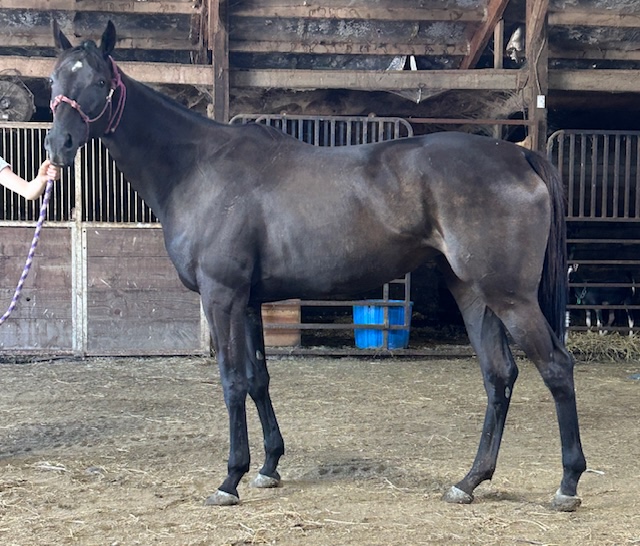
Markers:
point(108, 42)
point(59, 39)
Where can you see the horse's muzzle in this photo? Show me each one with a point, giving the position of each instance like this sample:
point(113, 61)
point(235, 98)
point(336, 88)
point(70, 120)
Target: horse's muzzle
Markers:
point(60, 147)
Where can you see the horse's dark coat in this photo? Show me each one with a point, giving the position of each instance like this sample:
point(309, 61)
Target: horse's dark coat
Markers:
point(251, 215)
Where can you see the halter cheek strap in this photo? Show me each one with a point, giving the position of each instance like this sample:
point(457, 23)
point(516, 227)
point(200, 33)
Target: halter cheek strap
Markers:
point(114, 116)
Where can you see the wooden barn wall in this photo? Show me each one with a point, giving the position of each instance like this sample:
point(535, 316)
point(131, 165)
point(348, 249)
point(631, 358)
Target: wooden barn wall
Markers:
point(360, 35)
point(135, 301)
point(43, 319)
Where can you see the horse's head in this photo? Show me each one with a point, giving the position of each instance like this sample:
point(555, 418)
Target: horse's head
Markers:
point(82, 86)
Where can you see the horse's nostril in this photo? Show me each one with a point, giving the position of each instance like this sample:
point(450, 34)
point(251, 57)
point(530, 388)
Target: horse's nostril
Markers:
point(68, 141)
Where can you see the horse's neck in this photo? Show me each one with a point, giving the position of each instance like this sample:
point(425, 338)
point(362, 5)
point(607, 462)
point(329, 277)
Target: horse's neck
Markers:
point(155, 144)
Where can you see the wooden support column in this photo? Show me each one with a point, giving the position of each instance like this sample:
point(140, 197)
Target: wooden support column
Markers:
point(219, 44)
point(498, 61)
point(537, 88)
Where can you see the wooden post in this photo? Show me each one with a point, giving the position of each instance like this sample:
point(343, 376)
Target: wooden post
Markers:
point(219, 44)
point(537, 88)
point(498, 61)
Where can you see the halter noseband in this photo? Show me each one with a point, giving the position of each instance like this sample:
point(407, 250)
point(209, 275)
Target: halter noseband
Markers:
point(114, 116)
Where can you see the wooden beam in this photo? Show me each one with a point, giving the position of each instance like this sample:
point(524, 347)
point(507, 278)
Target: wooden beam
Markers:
point(480, 39)
point(113, 6)
point(597, 80)
point(600, 80)
point(314, 10)
point(162, 73)
point(380, 80)
point(46, 40)
point(595, 54)
point(346, 48)
point(592, 18)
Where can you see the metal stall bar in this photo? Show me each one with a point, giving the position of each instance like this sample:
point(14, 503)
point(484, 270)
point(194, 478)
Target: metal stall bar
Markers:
point(601, 174)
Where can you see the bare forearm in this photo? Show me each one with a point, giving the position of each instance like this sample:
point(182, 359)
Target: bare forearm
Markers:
point(33, 189)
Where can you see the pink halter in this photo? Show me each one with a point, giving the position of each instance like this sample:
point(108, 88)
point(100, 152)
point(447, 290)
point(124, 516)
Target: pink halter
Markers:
point(114, 116)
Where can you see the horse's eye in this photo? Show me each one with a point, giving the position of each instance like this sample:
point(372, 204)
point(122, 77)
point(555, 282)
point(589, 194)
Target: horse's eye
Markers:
point(102, 83)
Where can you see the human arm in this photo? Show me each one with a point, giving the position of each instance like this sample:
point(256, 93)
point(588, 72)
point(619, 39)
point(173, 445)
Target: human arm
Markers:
point(33, 189)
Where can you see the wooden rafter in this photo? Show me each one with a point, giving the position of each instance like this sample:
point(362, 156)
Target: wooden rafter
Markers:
point(481, 38)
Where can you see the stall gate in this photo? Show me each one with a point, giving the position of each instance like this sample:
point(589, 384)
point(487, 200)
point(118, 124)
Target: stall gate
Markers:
point(101, 282)
point(601, 173)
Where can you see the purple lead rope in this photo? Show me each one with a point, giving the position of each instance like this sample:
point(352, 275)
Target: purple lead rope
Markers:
point(32, 251)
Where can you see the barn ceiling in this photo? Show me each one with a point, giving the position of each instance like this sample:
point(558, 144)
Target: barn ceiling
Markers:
point(266, 54)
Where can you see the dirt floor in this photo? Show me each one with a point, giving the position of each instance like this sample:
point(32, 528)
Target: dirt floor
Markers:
point(124, 452)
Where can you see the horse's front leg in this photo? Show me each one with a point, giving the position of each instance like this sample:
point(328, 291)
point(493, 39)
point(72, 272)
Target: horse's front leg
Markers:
point(258, 376)
point(228, 330)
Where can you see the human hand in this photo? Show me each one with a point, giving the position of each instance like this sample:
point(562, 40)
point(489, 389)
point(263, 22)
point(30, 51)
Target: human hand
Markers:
point(49, 171)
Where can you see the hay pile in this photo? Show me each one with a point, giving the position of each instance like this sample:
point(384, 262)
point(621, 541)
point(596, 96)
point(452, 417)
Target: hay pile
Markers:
point(593, 347)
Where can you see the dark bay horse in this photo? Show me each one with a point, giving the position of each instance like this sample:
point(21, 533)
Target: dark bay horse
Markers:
point(251, 215)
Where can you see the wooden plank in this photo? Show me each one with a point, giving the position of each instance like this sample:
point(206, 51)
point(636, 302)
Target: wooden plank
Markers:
point(125, 243)
point(614, 81)
point(481, 37)
point(142, 272)
point(36, 335)
point(44, 40)
point(135, 303)
point(596, 54)
point(359, 33)
point(348, 47)
point(50, 303)
point(112, 6)
point(593, 18)
point(162, 73)
point(167, 73)
point(379, 80)
point(142, 337)
point(42, 320)
point(146, 304)
point(317, 10)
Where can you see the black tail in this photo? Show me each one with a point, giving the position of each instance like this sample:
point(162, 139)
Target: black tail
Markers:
point(554, 289)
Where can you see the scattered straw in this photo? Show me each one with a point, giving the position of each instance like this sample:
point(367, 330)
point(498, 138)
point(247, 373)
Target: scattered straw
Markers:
point(612, 347)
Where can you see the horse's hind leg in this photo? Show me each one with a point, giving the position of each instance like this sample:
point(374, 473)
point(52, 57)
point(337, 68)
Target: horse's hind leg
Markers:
point(488, 338)
point(531, 332)
point(258, 377)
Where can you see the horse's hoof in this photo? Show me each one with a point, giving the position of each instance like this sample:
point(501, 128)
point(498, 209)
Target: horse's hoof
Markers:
point(565, 503)
point(221, 498)
point(264, 482)
point(457, 496)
